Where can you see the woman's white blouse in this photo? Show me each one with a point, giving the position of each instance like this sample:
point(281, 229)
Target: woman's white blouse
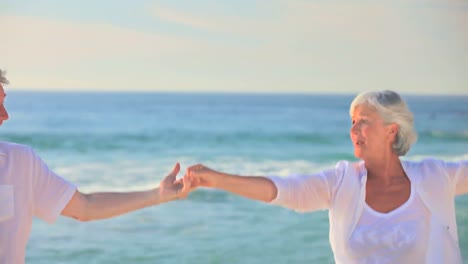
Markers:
point(399, 236)
point(342, 191)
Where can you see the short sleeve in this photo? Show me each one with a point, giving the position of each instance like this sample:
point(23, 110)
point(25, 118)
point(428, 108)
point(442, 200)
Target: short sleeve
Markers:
point(51, 193)
point(305, 193)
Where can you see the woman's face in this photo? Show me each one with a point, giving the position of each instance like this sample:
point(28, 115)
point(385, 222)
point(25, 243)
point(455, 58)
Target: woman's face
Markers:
point(369, 134)
point(3, 112)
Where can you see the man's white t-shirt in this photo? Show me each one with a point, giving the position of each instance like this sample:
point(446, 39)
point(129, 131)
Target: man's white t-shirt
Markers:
point(27, 188)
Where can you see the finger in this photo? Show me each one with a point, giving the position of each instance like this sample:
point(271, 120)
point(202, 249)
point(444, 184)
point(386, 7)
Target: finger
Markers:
point(172, 176)
point(187, 187)
point(178, 181)
point(189, 170)
point(192, 173)
point(176, 168)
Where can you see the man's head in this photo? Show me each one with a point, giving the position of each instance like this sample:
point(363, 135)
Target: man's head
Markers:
point(3, 112)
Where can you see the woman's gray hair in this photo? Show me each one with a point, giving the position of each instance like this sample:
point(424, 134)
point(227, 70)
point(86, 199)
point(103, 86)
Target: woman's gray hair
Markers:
point(3, 79)
point(391, 107)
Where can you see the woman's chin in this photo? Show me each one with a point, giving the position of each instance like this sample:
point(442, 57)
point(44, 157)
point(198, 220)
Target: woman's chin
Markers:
point(358, 154)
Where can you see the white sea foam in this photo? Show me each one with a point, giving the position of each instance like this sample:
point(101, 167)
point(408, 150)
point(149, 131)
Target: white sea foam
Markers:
point(442, 157)
point(143, 174)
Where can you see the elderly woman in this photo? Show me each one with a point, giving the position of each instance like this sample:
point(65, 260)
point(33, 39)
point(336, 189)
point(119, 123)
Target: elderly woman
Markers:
point(381, 209)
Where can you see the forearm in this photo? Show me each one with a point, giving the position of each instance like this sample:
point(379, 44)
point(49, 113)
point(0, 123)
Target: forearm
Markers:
point(252, 187)
point(109, 204)
point(95, 206)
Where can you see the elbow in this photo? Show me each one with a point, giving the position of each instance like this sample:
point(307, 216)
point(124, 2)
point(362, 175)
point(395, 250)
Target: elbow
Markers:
point(78, 207)
point(272, 196)
point(82, 218)
point(82, 214)
point(272, 192)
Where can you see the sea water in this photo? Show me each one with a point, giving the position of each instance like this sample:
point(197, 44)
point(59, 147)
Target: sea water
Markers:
point(130, 141)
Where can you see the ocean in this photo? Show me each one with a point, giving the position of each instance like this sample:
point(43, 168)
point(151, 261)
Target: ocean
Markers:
point(130, 141)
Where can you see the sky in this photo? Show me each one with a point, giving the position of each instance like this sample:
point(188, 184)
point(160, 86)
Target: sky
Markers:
point(269, 46)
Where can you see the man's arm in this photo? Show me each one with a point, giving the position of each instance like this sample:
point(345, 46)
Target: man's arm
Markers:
point(95, 206)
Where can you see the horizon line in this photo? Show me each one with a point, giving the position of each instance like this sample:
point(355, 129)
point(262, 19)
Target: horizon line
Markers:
point(224, 92)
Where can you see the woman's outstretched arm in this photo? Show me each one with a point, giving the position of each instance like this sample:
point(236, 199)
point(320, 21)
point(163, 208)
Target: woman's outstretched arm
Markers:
point(302, 193)
point(252, 187)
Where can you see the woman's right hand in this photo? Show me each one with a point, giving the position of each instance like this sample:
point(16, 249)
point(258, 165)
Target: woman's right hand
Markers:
point(201, 176)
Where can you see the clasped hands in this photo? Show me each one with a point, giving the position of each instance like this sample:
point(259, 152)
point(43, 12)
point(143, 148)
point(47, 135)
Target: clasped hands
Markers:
point(196, 176)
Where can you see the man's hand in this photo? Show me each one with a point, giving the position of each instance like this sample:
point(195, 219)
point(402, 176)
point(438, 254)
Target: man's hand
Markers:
point(170, 188)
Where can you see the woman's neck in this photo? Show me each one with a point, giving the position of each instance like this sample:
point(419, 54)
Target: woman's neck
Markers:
point(386, 169)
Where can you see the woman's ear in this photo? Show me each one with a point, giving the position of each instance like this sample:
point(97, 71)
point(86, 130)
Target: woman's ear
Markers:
point(392, 131)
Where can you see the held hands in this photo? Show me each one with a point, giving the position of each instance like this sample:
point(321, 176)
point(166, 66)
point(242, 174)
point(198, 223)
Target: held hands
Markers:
point(252, 187)
point(196, 176)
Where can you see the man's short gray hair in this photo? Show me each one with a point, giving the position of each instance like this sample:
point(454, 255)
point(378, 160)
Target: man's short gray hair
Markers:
point(3, 79)
point(391, 107)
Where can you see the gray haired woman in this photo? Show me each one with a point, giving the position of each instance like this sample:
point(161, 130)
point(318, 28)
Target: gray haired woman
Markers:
point(381, 209)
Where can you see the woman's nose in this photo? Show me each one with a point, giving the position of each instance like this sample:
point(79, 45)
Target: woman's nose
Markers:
point(353, 129)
